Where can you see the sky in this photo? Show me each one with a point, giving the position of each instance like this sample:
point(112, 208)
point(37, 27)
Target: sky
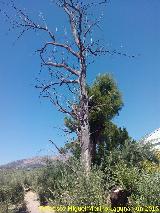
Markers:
point(27, 122)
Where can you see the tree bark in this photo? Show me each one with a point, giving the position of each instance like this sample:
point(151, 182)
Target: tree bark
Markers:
point(84, 125)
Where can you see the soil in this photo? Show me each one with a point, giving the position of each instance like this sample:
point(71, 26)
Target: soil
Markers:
point(33, 204)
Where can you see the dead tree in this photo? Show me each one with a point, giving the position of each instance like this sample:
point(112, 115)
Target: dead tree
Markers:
point(67, 62)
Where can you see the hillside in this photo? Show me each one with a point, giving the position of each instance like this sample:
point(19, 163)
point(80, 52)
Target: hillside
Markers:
point(29, 163)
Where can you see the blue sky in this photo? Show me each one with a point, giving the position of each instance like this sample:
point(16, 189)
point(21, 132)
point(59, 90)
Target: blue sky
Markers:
point(27, 123)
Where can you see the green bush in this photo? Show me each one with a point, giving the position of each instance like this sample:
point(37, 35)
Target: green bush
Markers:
point(143, 185)
point(67, 184)
point(148, 190)
point(11, 190)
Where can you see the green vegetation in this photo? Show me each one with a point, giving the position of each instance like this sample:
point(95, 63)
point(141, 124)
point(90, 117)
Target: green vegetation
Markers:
point(102, 155)
point(117, 160)
point(105, 102)
point(11, 191)
point(65, 182)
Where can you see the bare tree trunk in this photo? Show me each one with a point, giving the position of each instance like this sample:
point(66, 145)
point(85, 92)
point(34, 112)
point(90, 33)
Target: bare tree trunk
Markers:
point(84, 125)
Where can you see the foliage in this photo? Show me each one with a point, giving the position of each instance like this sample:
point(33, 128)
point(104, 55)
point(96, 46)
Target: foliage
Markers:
point(131, 153)
point(64, 183)
point(120, 161)
point(126, 168)
point(105, 99)
point(113, 138)
point(148, 191)
point(105, 103)
point(151, 166)
point(143, 185)
point(11, 189)
point(67, 184)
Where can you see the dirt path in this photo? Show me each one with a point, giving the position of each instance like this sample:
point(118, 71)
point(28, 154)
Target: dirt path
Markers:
point(32, 203)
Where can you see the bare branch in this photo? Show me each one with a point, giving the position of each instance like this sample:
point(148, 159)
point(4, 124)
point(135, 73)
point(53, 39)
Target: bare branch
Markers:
point(27, 23)
point(63, 81)
point(56, 44)
point(71, 15)
point(63, 154)
point(67, 47)
point(64, 66)
point(60, 151)
point(101, 50)
point(56, 64)
point(55, 101)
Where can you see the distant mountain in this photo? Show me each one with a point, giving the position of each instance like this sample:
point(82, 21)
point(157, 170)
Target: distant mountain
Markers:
point(35, 162)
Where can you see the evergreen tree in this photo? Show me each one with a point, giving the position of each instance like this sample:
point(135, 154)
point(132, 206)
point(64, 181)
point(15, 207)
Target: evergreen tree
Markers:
point(105, 102)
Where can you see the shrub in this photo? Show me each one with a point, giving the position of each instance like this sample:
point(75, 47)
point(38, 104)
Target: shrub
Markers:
point(67, 184)
point(11, 190)
point(148, 191)
point(143, 185)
